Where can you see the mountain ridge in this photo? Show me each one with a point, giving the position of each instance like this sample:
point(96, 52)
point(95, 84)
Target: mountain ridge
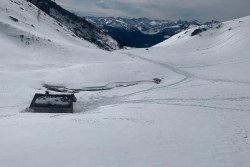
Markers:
point(142, 32)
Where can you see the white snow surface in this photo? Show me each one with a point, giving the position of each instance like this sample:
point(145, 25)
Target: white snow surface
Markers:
point(52, 101)
point(197, 117)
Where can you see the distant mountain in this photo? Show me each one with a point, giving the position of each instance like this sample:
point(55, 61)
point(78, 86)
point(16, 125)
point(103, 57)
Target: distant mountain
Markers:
point(81, 27)
point(142, 32)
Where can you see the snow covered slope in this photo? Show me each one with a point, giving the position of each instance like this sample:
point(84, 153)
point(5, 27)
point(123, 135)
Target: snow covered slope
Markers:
point(220, 52)
point(197, 116)
point(42, 52)
point(30, 30)
point(81, 27)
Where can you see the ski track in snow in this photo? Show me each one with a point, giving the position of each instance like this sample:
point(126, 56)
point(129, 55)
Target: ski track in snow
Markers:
point(188, 77)
point(7, 115)
point(82, 107)
point(185, 73)
point(226, 145)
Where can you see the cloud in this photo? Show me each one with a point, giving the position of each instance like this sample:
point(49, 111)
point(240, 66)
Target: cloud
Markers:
point(161, 9)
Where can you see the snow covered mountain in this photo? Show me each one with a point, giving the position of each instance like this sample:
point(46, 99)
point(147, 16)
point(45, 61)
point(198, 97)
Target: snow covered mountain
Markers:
point(198, 115)
point(142, 32)
point(81, 28)
point(144, 25)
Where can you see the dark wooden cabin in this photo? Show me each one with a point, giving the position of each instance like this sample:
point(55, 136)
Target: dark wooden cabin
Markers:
point(53, 103)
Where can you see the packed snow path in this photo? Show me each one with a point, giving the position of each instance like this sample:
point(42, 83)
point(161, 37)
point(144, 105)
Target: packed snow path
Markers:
point(185, 73)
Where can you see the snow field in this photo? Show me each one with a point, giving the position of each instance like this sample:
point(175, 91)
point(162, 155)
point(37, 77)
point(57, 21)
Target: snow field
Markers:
point(197, 116)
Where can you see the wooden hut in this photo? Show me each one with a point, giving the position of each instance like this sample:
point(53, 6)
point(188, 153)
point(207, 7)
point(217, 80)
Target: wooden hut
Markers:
point(53, 103)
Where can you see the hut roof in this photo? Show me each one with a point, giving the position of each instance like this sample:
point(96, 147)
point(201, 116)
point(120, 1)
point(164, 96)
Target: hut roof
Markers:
point(52, 101)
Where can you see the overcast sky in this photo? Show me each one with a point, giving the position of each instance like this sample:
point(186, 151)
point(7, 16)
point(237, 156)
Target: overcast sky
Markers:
point(202, 10)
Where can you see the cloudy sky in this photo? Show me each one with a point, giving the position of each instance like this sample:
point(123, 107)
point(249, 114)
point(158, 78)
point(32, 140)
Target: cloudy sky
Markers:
point(202, 10)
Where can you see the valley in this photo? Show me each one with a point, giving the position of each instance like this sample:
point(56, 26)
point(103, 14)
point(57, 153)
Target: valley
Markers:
point(196, 115)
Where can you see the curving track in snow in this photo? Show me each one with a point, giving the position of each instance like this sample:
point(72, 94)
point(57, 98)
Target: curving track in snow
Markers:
point(185, 73)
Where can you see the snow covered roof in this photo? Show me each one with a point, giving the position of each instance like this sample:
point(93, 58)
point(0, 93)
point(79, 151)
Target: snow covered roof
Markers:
point(52, 101)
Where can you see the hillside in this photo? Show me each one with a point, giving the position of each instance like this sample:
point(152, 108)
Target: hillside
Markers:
point(198, 115)
point(81, 28)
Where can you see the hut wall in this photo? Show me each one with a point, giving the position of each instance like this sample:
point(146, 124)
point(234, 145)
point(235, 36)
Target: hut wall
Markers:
point(54, 110)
